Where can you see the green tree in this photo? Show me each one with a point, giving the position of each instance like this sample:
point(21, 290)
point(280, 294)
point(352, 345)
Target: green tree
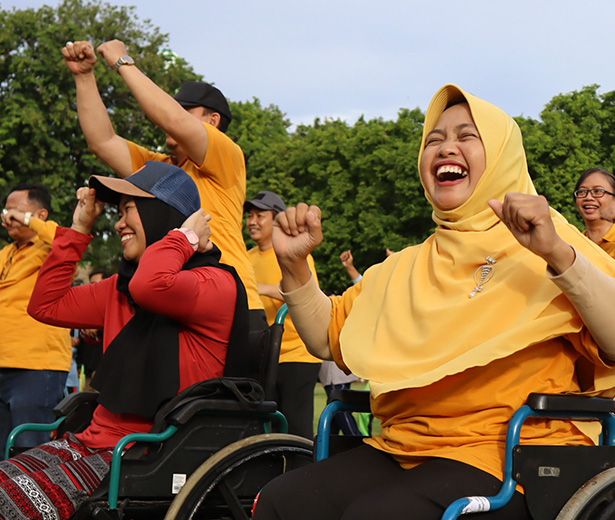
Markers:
point(40, 138)
point(576, 132)
point(364, 177)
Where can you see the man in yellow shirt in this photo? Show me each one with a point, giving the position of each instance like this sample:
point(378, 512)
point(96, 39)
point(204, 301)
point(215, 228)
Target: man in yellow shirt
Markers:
point(195, 122)
point(298, 370)
point(34, 358)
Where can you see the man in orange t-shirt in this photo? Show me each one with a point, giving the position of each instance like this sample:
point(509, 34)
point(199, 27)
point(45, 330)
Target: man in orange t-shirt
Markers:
point(34, 358)
point(195, 122)
point(298, 369)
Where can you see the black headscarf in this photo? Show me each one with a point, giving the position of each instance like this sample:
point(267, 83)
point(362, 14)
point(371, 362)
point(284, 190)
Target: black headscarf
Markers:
point(140, 368)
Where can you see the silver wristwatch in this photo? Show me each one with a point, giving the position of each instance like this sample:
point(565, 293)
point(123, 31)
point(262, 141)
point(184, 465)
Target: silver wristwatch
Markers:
point(123, 60)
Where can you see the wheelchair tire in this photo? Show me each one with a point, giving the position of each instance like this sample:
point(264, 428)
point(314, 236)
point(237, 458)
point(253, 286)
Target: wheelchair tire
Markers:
point(594, 500)
point(216, 489)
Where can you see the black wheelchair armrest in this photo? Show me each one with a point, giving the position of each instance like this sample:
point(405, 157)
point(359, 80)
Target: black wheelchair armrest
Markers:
point(570, 403)
point(185, 411)
point(357, 399)
point(74, 401)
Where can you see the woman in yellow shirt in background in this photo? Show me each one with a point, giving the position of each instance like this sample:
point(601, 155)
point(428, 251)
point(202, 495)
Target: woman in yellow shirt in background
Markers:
point(594, 195)
point(452, 333)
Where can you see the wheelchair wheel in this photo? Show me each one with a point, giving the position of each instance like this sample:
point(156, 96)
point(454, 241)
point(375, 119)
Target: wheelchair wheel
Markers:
point(225, 485)
point(594, 500)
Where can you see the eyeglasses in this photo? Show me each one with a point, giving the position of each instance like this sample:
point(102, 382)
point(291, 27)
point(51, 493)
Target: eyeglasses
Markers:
point(597, 193)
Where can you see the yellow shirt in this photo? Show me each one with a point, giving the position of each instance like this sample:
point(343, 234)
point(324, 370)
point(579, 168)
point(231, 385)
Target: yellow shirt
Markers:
point(608, 241)
point(464, 416)
point(25, 342)
point(221, 181)
point(268, 272)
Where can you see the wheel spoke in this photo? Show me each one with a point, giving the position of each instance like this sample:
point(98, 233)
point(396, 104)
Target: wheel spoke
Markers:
point(232, 501)
point(224, 485)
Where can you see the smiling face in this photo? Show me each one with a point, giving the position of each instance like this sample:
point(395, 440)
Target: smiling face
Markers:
point(453, 159)
point(596, 208)
point(130, 229)
point(260, 226)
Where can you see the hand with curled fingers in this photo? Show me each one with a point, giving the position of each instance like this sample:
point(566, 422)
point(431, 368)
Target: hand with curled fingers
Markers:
point(347, 259)
point(13, 218)
point(199, 223)
point(79, 57)
point(86, 212)
point(112, 51)
point(297, 232)
point(528, 218)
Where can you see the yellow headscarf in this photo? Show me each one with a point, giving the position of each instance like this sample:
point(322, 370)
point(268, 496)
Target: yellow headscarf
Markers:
point(414, 322)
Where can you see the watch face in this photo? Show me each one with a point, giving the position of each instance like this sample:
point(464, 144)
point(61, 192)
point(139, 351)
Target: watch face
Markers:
point(124, 60)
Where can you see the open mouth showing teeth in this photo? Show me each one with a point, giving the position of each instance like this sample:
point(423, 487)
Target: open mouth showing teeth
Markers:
point(449, 172)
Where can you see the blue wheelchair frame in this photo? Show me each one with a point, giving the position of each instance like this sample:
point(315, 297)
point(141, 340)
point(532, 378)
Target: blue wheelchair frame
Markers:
point(468, 505)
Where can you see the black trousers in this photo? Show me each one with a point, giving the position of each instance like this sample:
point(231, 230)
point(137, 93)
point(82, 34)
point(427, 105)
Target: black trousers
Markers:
point(295, 396)
point(367, 484)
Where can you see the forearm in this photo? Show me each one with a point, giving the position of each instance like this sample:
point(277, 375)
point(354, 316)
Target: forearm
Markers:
point(295, 274)
point(561, 257)
point(45, 229)
point(54, 300)
point(97, 127)
point(272, 291)
point(159, 284)
point(352, 272)
point(590, 290)
point(167, 114)
point(310, 310)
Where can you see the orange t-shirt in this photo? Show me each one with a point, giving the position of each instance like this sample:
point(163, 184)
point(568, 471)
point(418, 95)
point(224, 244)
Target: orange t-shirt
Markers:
point(268, 272)
point(221, 181)
point(608, 241)
point(464, 416)
point(24, 342)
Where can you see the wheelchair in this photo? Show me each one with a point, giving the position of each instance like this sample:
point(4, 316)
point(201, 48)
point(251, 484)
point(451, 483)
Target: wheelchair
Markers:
point(210, 451)
point(559, 482)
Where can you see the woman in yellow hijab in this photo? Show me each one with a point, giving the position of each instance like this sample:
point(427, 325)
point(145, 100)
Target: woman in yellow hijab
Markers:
point(454, 333)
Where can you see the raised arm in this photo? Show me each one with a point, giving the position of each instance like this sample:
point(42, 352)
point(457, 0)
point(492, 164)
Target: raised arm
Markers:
point(348, 262)
point(189, 296)
point(94, 119)
point(588, 289)
point(296, 233)
point(54, 301)
point(159, 106)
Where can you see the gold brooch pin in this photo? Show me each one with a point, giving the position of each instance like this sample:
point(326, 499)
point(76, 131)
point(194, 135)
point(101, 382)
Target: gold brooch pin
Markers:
point(482, 275)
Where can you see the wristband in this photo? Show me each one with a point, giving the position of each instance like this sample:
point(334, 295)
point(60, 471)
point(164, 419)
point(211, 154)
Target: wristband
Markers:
point(27, 216)
point(192, 237)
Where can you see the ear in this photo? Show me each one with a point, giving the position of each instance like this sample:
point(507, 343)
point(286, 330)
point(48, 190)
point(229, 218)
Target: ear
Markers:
point(43, 214)
point(215, 119)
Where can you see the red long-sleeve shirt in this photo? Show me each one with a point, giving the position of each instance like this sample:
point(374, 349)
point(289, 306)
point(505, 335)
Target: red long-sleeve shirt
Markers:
point(202, 300)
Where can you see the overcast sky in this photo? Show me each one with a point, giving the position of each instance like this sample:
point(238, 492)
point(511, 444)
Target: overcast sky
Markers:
point(343, 58)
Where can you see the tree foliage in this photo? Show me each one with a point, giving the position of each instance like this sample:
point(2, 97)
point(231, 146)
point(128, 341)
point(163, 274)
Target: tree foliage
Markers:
point(363, 175)
point(576, 131)
point(40, 138)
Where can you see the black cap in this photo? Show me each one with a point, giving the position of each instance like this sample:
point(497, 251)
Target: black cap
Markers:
point(266, 200)
point(201, 94)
